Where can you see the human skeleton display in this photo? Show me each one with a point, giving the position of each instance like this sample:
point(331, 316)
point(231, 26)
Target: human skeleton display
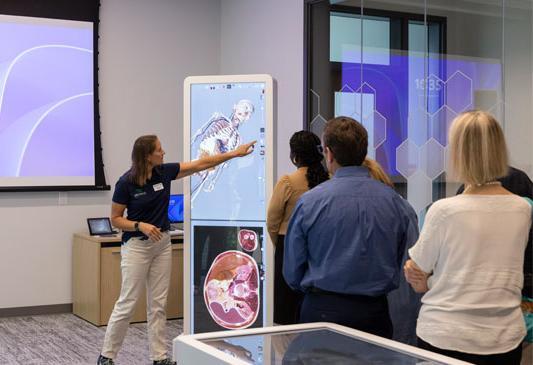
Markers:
point(219, 135)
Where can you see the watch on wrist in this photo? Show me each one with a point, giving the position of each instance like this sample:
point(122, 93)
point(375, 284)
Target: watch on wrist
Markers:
point(136, 225)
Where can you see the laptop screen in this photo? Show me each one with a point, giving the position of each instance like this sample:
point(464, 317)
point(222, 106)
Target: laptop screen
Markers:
point(175, 208)
point(98, 226)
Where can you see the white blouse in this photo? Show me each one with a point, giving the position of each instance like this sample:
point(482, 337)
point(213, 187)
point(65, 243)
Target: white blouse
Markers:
point(474, 247)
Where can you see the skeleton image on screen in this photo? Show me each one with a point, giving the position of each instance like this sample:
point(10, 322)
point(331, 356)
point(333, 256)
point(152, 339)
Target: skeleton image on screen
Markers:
point(231, 290)
point(225, 210)
point(219, 135)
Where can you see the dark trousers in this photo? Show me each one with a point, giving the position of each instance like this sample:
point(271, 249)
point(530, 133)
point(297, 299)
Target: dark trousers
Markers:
point(368, 314)
point(286, 301)
point(512, 357)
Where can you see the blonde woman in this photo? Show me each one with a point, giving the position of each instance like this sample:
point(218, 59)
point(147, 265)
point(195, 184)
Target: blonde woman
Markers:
point(468, 259)
point(376, 172)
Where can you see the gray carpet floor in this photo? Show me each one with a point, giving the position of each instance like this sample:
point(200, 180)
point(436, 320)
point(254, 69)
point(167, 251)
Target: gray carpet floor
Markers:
point(67, 339)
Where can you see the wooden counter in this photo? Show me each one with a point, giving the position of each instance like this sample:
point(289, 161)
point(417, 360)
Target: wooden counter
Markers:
point(96, 279)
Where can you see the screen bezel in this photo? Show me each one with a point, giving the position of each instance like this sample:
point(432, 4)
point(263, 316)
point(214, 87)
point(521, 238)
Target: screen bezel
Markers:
point(106, 219)
point(81, 10)
point(269, 166)
point(173, 196)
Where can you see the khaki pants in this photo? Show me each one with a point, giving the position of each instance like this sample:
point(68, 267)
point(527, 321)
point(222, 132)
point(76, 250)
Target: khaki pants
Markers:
point(144, 264)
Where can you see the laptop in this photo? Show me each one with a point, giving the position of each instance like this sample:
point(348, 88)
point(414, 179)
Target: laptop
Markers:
point(175, 213)
point(100, 227)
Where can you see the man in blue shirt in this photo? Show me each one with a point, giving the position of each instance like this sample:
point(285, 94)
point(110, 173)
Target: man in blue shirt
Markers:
point(346, 238)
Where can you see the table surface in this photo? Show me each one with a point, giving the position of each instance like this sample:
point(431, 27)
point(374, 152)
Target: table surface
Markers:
point(113, 238)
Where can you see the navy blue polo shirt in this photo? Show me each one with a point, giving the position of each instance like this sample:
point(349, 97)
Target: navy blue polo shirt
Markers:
point(148, 203)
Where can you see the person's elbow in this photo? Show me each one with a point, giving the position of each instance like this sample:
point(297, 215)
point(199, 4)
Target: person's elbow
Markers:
point(117, 213)
point(115, 220)
point(272, 229)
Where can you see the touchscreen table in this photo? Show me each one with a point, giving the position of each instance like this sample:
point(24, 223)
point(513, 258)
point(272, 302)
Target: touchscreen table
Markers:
point(306, 344)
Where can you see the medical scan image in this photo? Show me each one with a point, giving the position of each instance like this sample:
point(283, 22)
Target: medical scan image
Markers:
point(228, 279)
point(248, 240)
point(231, 290)
point(224, 116)
point(219, 135)
point(227, 203)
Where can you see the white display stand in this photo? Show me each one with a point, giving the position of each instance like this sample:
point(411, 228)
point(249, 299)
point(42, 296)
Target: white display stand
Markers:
point(323, 343)
point(228, 256)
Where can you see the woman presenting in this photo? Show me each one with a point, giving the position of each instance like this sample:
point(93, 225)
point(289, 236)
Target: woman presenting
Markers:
point(146, 252)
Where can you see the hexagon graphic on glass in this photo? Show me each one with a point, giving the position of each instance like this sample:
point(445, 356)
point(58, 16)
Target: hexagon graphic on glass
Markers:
point(231, 290)
point(248, 239)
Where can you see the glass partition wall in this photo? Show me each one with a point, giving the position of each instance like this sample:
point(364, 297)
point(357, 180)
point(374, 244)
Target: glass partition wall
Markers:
point(405, 69)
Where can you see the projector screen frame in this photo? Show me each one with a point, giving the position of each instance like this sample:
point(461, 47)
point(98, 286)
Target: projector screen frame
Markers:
point(80, 10)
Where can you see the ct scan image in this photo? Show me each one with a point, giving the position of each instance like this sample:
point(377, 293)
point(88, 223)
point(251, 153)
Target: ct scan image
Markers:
point(228, 277)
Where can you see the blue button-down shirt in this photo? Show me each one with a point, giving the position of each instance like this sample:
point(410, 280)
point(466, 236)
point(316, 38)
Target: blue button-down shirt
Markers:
point(348, 235)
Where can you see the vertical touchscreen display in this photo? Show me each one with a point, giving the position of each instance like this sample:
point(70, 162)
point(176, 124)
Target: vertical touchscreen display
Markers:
point(228, 207)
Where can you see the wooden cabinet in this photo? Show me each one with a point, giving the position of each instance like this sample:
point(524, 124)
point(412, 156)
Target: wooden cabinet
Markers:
point(96, 279)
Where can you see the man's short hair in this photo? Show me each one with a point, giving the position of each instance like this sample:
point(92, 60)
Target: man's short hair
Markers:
point(478, 152)
point(347, 139)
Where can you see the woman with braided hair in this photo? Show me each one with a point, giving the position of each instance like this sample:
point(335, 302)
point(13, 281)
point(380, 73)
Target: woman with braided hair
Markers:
point(306, 155)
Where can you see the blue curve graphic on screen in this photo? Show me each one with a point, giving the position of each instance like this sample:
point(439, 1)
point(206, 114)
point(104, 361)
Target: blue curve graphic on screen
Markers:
point(46, 101)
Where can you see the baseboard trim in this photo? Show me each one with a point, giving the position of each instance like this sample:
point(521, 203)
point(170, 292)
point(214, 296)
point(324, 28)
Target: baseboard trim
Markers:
point(36, 310)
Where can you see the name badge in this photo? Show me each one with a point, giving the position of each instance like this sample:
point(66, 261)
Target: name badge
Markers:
point(158, 186)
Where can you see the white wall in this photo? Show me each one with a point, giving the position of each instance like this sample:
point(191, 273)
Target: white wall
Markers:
point(259, 36)
point(147, 48)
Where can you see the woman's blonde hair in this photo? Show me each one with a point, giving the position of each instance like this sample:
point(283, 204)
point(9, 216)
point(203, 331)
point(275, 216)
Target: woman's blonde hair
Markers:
point(478, 153)
point(377, 172)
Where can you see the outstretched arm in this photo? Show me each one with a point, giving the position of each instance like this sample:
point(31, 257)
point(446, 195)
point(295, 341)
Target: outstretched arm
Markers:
point(189, 168)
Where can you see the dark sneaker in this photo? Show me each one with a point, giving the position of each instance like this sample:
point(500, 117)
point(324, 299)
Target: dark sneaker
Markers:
point(165, 362)
point(102, 360)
